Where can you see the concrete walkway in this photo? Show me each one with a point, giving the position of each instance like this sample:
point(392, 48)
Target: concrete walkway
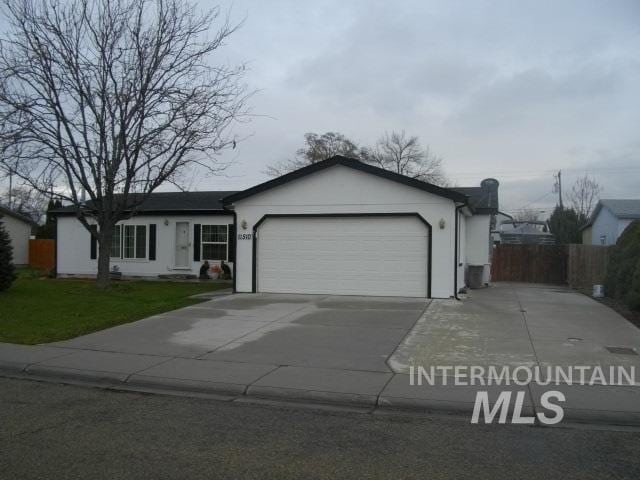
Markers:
point(514, 324)
point(525, 325)
point(351, 351)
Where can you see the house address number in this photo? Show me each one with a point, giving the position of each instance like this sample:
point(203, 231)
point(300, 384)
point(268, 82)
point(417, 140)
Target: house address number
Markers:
point(245, 236)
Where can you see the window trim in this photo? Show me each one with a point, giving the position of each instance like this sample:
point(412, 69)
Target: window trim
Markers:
point(225, 243)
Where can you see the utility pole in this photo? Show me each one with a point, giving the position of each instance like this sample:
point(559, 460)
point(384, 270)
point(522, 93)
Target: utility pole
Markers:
point(557, 187)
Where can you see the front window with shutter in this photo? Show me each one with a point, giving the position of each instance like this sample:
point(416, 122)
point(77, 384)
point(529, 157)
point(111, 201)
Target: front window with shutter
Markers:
point(129, 242)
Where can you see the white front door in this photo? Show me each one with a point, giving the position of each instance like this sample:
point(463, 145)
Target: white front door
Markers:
point(385, 256)
point(182, 245)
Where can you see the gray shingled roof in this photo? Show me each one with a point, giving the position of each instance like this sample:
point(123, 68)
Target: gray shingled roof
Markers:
point(480, 199)
point(623, 208)
point(173, 201)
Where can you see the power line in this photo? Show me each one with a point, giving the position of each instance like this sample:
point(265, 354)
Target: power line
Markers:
point(504, 173)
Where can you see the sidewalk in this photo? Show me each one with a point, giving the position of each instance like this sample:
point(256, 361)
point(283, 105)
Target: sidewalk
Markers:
point(367, 390)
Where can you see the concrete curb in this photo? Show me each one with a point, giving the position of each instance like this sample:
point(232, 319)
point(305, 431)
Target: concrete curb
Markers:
point(187, 386)
point(13, 367)
point(427, 406)
point(61, 374)
point(312, 396)
point(601, 417)
point(247, 392)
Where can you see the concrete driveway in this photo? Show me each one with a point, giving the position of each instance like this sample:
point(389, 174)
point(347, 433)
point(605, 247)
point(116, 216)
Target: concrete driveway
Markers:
point(513, 324)
point(355, 351)
point(353, 333)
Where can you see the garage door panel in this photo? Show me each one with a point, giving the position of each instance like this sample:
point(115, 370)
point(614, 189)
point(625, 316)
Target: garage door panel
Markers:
point(348, 256)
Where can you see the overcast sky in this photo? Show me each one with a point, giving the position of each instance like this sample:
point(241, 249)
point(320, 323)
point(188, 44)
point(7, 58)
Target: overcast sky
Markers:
point(508, 89)
point(511, 90)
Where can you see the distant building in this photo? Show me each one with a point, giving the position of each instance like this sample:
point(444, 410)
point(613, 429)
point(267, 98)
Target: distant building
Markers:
point(499, 218)
point(514, 232)
point(608, 221)
point(19, 229)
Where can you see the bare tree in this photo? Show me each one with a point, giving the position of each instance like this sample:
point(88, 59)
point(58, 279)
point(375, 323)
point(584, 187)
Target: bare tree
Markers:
point(395, 152)
point(404, 155)
point(584, 195)
point(27, 201)
point(317, 148)
point(526, 215)
point(113, 98)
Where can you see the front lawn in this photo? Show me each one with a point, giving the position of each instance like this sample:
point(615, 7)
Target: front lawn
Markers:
point(38, 310)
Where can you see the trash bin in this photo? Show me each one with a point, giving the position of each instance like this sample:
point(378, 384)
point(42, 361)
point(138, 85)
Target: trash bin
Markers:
point(598, 291)
point(475, 276)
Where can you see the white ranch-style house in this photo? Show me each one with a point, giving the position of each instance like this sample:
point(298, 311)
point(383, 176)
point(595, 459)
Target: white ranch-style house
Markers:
point(335, 227)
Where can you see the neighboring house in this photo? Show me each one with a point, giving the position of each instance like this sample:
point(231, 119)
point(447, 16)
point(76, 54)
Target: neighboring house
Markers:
point(608, 221)
point(335, 227)
point(530, 232)
point(20, 229)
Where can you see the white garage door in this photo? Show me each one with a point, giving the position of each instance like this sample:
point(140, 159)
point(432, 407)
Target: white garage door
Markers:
point(343, 256)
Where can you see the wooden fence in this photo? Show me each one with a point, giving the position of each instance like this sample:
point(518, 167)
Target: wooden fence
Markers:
point(579, 266)
point(587, 265)
point(42, 254)
point(529, 263)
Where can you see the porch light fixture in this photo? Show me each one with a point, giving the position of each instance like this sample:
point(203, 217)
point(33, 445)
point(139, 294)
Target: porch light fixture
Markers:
point(166, 222)
point(441, 223)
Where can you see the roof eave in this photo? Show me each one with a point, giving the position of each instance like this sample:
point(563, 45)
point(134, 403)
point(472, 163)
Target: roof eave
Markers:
point(17, 216)
point(185, 211)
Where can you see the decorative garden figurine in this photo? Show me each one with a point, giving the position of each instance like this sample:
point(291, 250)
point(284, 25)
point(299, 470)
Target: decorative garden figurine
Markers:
point(204, 268)
point(226, 271)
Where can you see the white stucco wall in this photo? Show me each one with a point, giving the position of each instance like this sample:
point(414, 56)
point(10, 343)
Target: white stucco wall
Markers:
point(478, 243)
point(19, 233)
point(74, 246)
point(340, 189)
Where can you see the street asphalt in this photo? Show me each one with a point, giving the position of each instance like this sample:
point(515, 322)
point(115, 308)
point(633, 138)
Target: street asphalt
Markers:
point(52, 431)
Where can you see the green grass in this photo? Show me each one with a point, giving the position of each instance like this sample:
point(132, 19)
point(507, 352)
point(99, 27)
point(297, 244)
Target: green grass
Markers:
point(38, 310)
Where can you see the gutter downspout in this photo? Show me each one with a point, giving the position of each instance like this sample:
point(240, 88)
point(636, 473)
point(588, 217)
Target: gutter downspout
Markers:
point(235, 242)
point(455, 256)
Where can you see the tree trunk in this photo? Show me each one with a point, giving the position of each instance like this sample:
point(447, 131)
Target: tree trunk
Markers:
point(105, 234)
